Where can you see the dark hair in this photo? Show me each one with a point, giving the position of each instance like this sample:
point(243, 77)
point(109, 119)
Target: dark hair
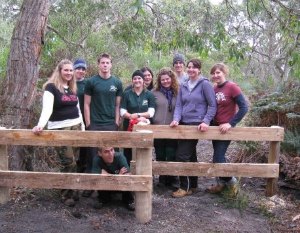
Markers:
point(146, 68)
point(168, 71)
point(104, 55)
point(196, 62)
point(219, 66)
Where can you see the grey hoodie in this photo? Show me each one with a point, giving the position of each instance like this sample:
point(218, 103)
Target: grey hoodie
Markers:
point(196, 106)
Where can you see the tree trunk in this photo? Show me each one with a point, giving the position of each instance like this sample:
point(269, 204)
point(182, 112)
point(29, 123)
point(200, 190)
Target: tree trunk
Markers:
point(19, 88)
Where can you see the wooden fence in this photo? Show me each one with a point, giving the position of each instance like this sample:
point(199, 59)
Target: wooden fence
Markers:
point(142, 142)
point(140, 183)
point(273, 134)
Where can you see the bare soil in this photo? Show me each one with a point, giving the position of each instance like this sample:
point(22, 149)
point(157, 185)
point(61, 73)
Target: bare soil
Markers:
point(41, 210)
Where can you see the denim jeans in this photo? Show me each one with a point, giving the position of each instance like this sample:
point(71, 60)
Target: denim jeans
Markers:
point(220, 148)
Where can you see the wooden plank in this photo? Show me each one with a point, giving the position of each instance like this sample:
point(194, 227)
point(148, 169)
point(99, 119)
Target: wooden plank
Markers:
point(76, 138)
point(273, 158)
point(214, 169)
point(143, 200)
point(237, 133)
point(52, 180)
point(4, 191)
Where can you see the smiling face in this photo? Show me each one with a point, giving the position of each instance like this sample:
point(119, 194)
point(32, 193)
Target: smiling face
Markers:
point(218, 76)
point(80, 73)
point(193, 71)
point(137, 82)
point(147, 78)
point(179, 67)
point(66, 73)
point(166, 81)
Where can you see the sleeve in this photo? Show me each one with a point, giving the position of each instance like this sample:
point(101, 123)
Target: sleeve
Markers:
point(88, 87)
point(211, 102)
point(243, 109)
point(123, 162)
point(48, 101)
point(178, 106)
point(120, 88)
point(124, 98)
point(96, 168)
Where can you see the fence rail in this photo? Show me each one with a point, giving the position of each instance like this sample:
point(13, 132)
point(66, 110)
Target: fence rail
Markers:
point(270, 170)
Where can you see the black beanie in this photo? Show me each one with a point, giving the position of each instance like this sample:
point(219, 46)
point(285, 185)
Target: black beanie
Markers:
point(138, 73)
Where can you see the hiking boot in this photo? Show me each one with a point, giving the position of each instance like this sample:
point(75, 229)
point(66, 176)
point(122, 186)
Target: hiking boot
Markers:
point(181, 193)
point(217, 188)
point(69, 202)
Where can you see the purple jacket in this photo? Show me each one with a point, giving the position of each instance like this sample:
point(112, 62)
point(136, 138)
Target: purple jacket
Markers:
point(196, 106)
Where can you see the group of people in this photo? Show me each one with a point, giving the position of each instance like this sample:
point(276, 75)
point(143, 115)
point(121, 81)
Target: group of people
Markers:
point(176, 97)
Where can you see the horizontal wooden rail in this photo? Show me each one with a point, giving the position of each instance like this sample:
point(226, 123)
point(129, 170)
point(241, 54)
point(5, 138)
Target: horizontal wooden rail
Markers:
point(76, 138)
point(213, 133)
point(214, 169)
point(52, 180)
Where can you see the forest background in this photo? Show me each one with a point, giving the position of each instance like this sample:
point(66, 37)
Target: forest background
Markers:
point(258, 39)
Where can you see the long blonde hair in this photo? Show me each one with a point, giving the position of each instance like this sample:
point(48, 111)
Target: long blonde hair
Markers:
point(56, 78)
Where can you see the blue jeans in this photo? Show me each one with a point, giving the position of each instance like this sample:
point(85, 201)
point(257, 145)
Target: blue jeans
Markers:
point(220, 148)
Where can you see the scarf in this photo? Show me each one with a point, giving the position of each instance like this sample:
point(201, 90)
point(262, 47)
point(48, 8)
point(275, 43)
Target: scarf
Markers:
point(169, 95)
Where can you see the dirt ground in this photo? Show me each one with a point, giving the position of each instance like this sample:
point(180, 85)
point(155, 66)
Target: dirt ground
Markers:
point(41, 211)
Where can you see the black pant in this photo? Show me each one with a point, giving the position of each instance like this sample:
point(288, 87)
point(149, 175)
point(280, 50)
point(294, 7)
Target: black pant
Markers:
point(186, 152)
point(105, 196)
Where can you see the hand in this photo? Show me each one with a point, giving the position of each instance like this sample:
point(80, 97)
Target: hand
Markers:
point(142, 119)
point(123, 171)
point(203, 127)
point(37, 130)
point(224, 128)
point(174, 124)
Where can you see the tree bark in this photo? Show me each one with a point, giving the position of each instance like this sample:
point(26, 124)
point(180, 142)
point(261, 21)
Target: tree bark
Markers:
point(19, 88)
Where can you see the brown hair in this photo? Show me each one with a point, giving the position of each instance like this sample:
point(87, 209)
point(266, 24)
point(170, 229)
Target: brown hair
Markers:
point(104, 55)
point(219, 66)
point(56, 78)
point(196, 62)
point(168, 71)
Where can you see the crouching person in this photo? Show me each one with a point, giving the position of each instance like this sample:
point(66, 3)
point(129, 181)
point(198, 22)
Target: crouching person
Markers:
point(110, 162)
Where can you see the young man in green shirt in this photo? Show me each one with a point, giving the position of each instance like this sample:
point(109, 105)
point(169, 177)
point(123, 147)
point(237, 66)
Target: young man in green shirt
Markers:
point(110, 162)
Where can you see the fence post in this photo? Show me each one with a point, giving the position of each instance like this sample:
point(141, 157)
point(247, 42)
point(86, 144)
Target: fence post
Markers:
point(143, 200)
point(4, 191)
point(273, 157)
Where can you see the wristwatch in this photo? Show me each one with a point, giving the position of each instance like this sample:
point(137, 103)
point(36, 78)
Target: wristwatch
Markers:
point(139, 115)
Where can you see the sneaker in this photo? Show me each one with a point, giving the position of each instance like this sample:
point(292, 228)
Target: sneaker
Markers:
point(69, 202)
point(87, 193)
point(217, 188)
point(181, 193)
point(130, 206)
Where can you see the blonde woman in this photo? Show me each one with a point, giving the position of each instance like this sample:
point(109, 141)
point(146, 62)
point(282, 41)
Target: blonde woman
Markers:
point(61, 112)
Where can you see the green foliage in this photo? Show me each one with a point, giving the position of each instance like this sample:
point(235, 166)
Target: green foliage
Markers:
point(291, 142)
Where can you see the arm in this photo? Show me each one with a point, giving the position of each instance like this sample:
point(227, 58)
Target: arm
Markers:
point(87, 108)
point(117, 110)
point(81, 118)
point(48, 101)
point(243, 109)
point(178, 110)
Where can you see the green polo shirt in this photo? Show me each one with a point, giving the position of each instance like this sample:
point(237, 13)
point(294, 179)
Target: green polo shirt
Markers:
point(134, 103)
point(103, 94)
point(113, 168)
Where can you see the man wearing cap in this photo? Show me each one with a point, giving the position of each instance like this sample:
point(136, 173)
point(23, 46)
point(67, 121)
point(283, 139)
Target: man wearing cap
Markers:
point(80, 67)
point(178, 65)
